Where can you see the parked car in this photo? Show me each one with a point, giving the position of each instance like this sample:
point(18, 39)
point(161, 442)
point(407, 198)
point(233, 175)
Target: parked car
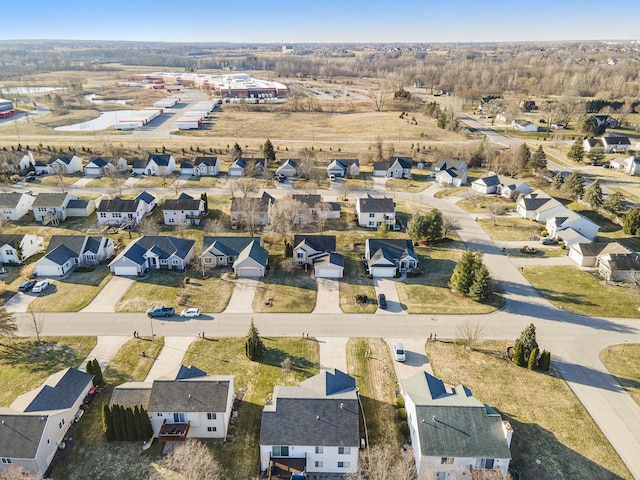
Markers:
point(27, 285)
point(398, 352)
point(548, 241)
point(382, 301)
point(190, 313)
point(41, 286)
point(30, 179)
point(79, 415)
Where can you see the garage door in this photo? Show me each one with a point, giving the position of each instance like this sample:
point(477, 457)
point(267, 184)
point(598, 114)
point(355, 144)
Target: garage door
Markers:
point(327, 273)
point(126, 271)
point(249, 272)
point(383, 272)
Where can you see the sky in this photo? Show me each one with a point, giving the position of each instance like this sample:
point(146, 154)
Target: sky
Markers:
point(329, 21)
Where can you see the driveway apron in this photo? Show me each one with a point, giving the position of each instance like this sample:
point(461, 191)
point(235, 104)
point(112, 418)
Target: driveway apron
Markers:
point(109, 296)
point(170, 357)
point(328, 300)
point(104, 351)
point(241, 300)
point(387, 286)
point(333, 353)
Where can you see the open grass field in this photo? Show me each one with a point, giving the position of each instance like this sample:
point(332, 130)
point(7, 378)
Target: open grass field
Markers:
point(56, 181)
point(240, 457)
point(624, 363)
point(483, 203)
point(554, 436)
point(162, 288)
point(509, 228)
point(72, 293)
point(370, 363)
point(26, 363)
point(570, 288)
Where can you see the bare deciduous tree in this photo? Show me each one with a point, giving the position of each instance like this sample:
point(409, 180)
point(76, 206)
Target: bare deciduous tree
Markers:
point(345, 188)
point(287, 365)
point(247, 185)
point(470, 332)
point(214, 226)
point(148, 227)
point(164, 174)
point(17, 473)
point(449, 223)
point(378, 95)
point(383, 462)
point(495, 211)
point(8, 326)
point(288, 216)
point(193, 461)
point(37, 322)
point(474, 197)
point(232, 186)
point(60, 171)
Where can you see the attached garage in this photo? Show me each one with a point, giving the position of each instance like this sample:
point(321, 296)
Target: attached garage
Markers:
point(125, 271)
point(328, 271)
point(383, 272)
point(252, 272)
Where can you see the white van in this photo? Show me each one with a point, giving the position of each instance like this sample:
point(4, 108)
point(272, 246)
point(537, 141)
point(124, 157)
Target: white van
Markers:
point(398, 352)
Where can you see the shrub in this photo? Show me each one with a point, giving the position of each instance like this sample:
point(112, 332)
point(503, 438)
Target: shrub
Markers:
point(518, 354)
point(28, 271)
point(400, 402)
point(544, 233)
point(402, 413)
point(533, 359)
point(544, 362)
point(404, 429)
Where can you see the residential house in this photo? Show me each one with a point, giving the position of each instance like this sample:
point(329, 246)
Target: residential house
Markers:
point(524, 125)
point(590, 143)
point(129, 212)
point(148, 200)
point(14, 205)
point(629, 165)
point(565, 223)
point(51, 208)
point(607, 120)
point(27, 162)
point(502, 117)
point(247, 167)
point(14, 248)
point(251, 210)
point(341, 168)
point(288, 168)
point(371, 212)
point(316, 206)
point(538, 206)
point(447, 171)
point(395, 167)
point(206, 166)
point(35, 426)
point(99, 166)
point(184, 210)
point(313, 427)
point(486, 185)
point(163, 164)
point(153, 253)
point(184, 404)
point(80, 208)
point(245, 255)
point(616, 144)
point(514, 190)
point(389, 257)
point(60, 164)
point(319, 251)
point(452, 431)
point(616, 267)
point(586, 254)
point(66, 252)
point(139, 167)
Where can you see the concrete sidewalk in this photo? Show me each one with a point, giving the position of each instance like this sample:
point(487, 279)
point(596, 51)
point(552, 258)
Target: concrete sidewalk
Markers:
point(105, 349)
point(170, 356)
point(333, 353)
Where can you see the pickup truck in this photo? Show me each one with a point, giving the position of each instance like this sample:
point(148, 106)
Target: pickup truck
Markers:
point(160, 311)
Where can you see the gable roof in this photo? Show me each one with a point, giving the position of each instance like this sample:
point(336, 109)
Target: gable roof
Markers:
point(622, 262)
point(320, 243)
point(64, 159)
point(245, 162)
point(447, 163)
point(49, 199)
point(344, 163)
point(163, 246)
point(616, 141)
point(207, 393)
point(230, 246)
point(10, 200)
point(78, 203)
point(20, 434)
point(146, 197)
point(369, 204)
point(254, 251)
point(206, 161)
point(97, 162)
point(58, 392)
point(308, 199)
point(131, 394)
point(490, 181)
point(117, 204)
point(594, 142)
point(11, 239)
point(390, 249)
point(262, 203)
point(183, 202)
point(161, 160)
point(289, 162)
point(404, 162)
point(329, 259)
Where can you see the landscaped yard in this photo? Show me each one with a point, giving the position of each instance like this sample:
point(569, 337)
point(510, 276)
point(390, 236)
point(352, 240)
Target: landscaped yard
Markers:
point(226, 356)
point(510, 228)
point(72, 293)
point(107, 182)
point(554, 435)
point(293, 292)
point(205, 182)
point(419, 181)
point(355, 283)
point(570, 288)
point(482, 203)
point(210, 295)
point(624, 363)
point(55, 180)
point(129, 365)
point(25, 363)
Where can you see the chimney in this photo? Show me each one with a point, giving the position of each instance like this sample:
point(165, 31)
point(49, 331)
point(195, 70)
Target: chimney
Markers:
point(508, 431)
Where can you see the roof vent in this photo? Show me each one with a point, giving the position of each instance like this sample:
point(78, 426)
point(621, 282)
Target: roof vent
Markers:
point(341, 406)
point(317, 417)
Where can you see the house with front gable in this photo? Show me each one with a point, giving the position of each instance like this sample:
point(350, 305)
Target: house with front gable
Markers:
point(371, 212)
point(184, 210)
point(395, 167)
point(80, 208)
point(386, 257)
point(245, 255)
point(524, 125)
point(586, 254)
point(316, 206)
point(26, 162)
point(451, 431)
point(159, 164)
point(247, 167)
point(14, 248)
point(288, 168)
point(153, 252)
point(15, 205)
point(60, 164)
point(99, 166)
point(184, 404)
point(36, 424)
point(312, 428)
point(486, 185)
point(538, 206)
point(319, 251)
point(51, 208)
point(571, 227)
point(449, 171)
point(590, 143)
point(66, 252)
point(341, 168)
point(254, 210)
point(616, 144)
point(206, 166)
point(629, 165)
point(619, 267)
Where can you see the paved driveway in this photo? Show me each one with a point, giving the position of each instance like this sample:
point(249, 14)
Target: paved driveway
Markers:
point(170, 356)
point(333, 353)
point(416, 361)
point(328, 300)
point(387, 286)
point(20, 302)
point(241, 300)
point(105, 349)
point(109, 296)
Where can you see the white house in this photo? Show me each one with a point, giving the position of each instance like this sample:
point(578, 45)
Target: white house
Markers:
point(538, 206)
point(341, 168)
point(163, 164)
point(247, 167)
point(590, 143)
point(27, 162)
point(186, 403)
point(524, 126)
point(616, 144)
point(51, 208)
point(36, 424)
point(99, 166)
point(586, 254)
point(371, 212)
point(184, 210)
point(451, 431)
point(319, 251)
point(14, 248)
point(514, 190)
point(312, 428)
point(387, 257)
point(448, 171)
point(14, 205)
point(628, 165)
point(206, 166)
point(251, 209)
point(63, 164)
point(117, 211)
point(288, 168)
point(395, 167)
point(568, 219)
point(66, 252)
point(486, 185)
point(153, 253)
point(80, 208)
point(245, 255)
point(616, 267)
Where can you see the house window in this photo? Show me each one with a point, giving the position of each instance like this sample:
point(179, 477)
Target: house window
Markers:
point(485, 463)
point(212, 429)
point(171, 220)
point(6, 460)
point(175, 261)
point(208, 260)
point(103, 215)
point(179, 418)
point(318, 464)
point(279, 451)
point(344, 464)
point(344, 450)
point(319, 450)
point(447, 460)
point(211, 416)
point(158, 414)
point(372, 215)
point(300, 255)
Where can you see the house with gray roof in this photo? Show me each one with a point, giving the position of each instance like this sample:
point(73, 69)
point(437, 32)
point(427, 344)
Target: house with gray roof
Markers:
point(36, 423)
point(80, 208)
point(616, 143)
point(153, 252)
point(319, 251)
point(159, 164)
point(51, 208)
point(386, 257)
point(206, 166)
point(372, 211)
point(245, 255)
point(184, 210)
point(186, 403)
point(247, 167)
point(99, 166)
point(344, 167)
point(395, 167)
point(452, 431)
point(316, 207)
point(619, 267)
point(120, 211)
point(313, 427)
point(586, 254)
point(66, 252)
point(15, 205)
point(60, 164)
point(250, 212)
point(288, 168)
point(14, 248)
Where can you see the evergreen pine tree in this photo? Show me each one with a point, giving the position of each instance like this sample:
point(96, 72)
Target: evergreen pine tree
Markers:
point(544, 362)
point(131, 425)
point(528, 340)
point(205, 200)
point(254, 347)
point(147, 428)
point(236, 152)
point(107, 422)
point(574, 185)
point(89, 367)
point(98, 378)
point(557, 181)
point(269, 152)
point(533, 359)
point(576, 152)
point(538, 160)
point(593, 195)
point(518, 354)
point(631, 224)
point(138, 422)
point(433, 227)
point(462, 276)
point(117, 423)
point(480, 289)
point(416, 227)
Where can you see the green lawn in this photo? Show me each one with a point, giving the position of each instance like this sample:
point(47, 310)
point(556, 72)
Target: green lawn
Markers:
point(294, 292)
point(570, 288)
point(129, 365)
point(355, 283)
point(483, 203)
point(162, 288)
point(510, 228)
point(25, 363)
point(419, 181)
point(549, 422)
point(73, 293)
point(624, 363)
point(225, 356)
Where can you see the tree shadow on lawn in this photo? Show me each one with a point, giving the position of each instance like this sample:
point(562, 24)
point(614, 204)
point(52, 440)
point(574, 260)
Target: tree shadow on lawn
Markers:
point(275, 357)
point(42, 356)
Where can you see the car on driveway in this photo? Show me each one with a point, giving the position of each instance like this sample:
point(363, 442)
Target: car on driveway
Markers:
point(41, 286)
point(398, 352)
point(27, 285)
point(548, 241)
point(382, 301)
point(190, 313)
